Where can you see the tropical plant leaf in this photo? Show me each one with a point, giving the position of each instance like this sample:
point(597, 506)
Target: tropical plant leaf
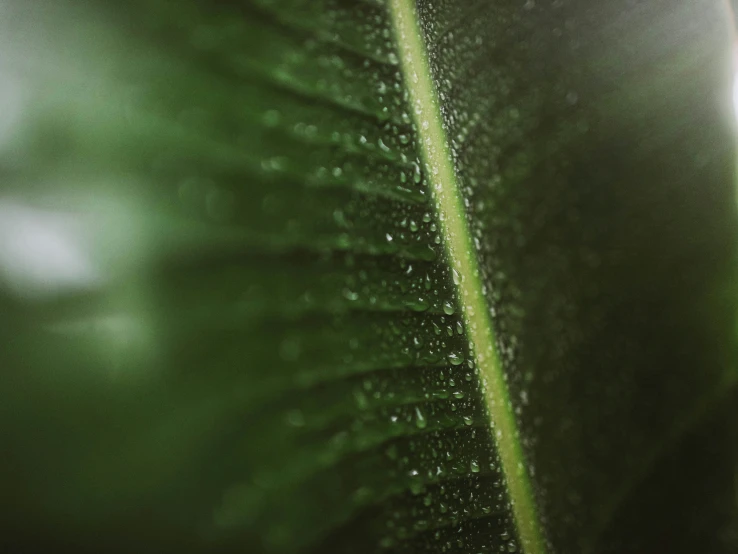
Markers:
point(363, 276)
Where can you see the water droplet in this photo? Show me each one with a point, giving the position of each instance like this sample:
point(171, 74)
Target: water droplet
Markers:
point(455, 358)
point(448, 307)
point(350, 295)
point(339, 218)
point(420, 421)
point(418, 304)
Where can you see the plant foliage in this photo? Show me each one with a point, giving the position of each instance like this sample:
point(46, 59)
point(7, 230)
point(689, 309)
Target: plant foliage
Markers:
point(367, 276)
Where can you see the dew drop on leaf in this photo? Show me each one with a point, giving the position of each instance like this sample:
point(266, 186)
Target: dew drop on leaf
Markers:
point(455, 358)
point(420, 421)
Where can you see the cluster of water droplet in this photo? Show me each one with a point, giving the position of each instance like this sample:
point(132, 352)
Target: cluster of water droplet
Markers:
point(306, 306)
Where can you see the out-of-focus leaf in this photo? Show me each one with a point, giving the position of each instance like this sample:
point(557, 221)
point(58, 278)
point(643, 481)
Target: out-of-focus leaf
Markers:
point(363, 276)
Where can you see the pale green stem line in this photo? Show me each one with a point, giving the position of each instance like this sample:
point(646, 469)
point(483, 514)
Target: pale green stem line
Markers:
point(450, 211)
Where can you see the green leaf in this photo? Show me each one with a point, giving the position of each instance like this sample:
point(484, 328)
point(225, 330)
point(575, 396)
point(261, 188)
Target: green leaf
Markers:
point(462, 258)
point(363, 276)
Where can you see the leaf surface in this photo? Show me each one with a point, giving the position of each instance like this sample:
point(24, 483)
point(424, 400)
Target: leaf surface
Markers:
point(362, 276)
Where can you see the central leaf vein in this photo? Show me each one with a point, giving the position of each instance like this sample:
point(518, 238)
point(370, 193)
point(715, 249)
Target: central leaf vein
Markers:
point(450, 212)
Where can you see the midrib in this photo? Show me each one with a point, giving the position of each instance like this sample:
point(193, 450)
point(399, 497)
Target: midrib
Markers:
point(450, 212)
